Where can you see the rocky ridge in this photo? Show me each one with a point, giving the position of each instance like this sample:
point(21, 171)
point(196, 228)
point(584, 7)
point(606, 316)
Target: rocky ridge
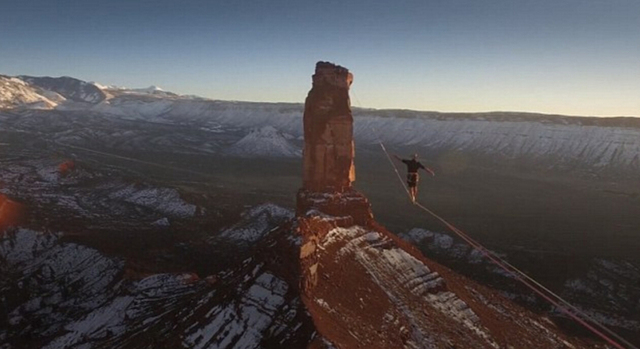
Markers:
point(366, 288)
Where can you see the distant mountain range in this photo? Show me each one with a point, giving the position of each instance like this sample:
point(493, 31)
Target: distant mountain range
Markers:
point(548, 141)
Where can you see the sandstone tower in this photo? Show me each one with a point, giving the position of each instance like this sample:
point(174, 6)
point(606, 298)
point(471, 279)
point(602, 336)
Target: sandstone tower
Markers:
point(328, 131)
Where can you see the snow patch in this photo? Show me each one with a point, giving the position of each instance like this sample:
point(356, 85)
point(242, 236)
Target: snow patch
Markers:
point(256, 223)
point(264, 142)
point(164, 200)
point(396, 271)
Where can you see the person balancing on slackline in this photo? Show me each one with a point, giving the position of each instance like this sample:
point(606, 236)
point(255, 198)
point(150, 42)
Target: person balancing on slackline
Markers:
point(413, 165)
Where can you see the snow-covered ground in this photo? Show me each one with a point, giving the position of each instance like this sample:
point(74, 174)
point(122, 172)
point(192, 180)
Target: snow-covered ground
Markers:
point(76, 194)
point(403, 277)
point(262, 142)
point(609, 290)
point(574, 142)
point(255, 224)
point(164, 200)
point(267, 129)
point(612, 289)
point(57, 281)
point(442, 243)
point(63, 295)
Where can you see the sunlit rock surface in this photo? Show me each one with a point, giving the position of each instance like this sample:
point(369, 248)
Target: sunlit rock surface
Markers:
point(366, 288)
point(328, 131)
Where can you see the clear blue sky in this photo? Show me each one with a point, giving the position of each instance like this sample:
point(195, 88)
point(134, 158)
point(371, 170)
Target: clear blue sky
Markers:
point(579, 57)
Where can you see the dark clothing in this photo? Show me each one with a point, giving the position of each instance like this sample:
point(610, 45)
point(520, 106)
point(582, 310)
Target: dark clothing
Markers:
point(412, 172)
point(412, 179)
point(413, 166)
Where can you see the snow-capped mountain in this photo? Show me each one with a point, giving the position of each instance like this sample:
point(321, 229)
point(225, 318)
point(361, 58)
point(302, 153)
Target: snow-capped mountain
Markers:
point(598, 144)
point(264, 142)
point(17, 93)
point(71, 89)
point(65, 92)
point(154, 90)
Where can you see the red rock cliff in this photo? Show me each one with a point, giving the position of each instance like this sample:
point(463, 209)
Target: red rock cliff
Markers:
point(363, 286)
point(328, 131)
point(327, 199)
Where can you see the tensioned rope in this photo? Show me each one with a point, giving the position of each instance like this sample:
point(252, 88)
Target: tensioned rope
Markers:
point(577, 315)
point(560, 303)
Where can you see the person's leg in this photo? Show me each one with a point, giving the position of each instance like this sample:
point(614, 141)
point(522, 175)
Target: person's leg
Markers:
point(412, 182)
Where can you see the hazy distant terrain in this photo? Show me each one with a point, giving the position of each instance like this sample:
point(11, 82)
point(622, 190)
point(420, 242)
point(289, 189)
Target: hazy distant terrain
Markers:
point(558, 196)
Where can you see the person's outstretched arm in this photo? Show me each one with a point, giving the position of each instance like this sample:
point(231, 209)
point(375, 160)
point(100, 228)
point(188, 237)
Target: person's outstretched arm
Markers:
point(430, 171)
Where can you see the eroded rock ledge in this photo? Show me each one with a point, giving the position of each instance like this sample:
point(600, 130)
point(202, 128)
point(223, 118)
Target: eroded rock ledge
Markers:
point(362, 285)
point(327, 199)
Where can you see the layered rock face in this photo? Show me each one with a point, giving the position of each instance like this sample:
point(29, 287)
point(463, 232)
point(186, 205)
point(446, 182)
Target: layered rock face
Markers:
point(328, 168)
point(327, 199)
point(362, 285)
point(328, 131)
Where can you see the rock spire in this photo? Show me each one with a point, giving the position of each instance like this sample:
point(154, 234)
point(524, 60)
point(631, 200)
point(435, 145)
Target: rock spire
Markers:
point(328, 131)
